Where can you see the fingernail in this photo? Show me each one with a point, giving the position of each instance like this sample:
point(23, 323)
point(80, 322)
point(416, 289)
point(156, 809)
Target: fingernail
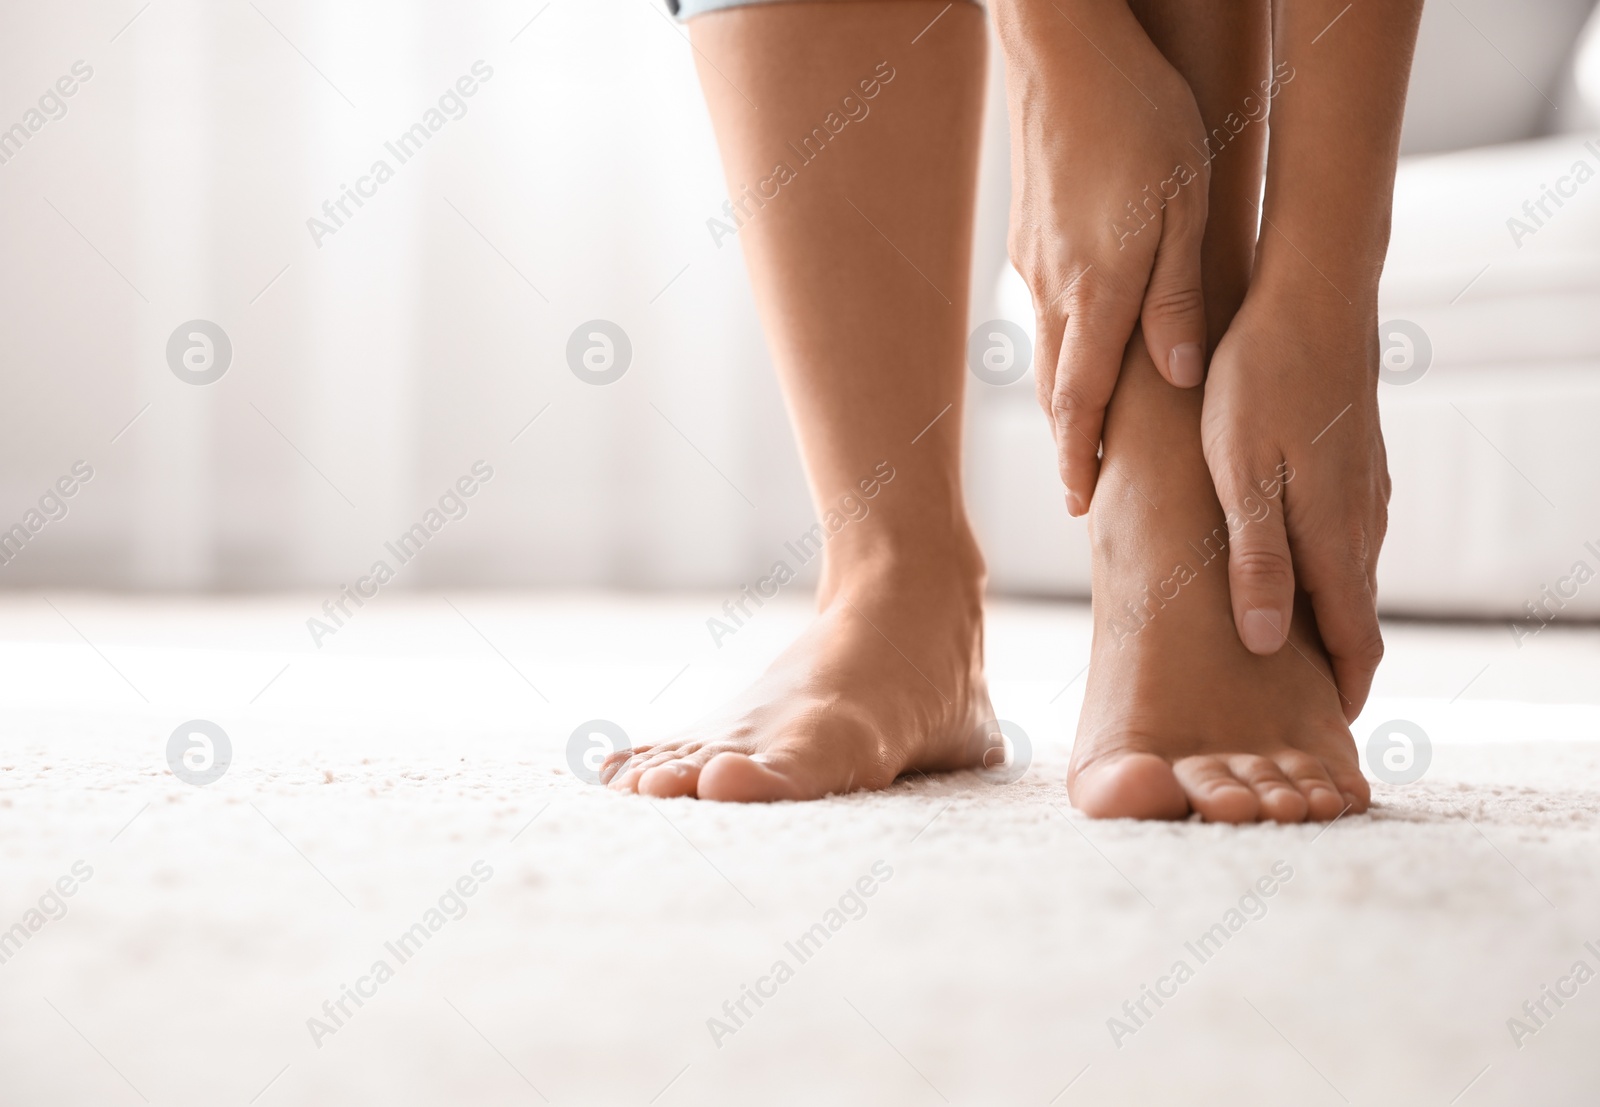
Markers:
point(1262, 631)
point(1187, 364)
point(1075, 506)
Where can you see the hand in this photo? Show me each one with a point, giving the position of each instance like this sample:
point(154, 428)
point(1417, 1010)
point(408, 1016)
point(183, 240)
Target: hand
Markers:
point(1291, 435)
point(1109, 192)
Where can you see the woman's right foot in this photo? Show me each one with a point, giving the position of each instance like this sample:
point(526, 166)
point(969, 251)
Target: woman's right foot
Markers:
point(887, 680)
point(1178, 716)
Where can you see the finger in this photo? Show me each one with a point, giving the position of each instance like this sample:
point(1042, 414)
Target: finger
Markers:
point(1260, 572)
point(1050, 323)
point(1380, 522)
point(1100, 320)
point(1347, 617)
point(1174, 312)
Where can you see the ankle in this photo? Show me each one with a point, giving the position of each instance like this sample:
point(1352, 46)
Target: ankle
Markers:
point(941, 571)
point(1120, 517)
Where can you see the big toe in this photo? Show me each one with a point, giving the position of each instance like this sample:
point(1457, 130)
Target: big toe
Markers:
point(739, 778)
point(1131, 786)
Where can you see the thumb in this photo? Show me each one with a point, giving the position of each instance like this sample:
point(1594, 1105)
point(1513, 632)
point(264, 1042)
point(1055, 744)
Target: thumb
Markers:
point(1174, 311)
point(1260, 571)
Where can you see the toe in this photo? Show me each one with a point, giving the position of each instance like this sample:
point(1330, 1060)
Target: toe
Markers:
point(625, 777)
point(677, 777)
point(614, 762)
point(740, 778)
point(1280, 800)
point(630, 771)
point(1215, 792)
point(1353, 787)
point(1132, 786)
point(1323, 801)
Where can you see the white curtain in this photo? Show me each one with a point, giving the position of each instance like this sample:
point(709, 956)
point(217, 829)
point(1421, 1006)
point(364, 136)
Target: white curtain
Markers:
point(377, 358)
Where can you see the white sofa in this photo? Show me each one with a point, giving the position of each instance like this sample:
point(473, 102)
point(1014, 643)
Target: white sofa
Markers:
point(1494, 446)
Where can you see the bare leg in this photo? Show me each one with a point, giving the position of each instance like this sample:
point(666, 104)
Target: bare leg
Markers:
point(859, 258)
point(1178, 715)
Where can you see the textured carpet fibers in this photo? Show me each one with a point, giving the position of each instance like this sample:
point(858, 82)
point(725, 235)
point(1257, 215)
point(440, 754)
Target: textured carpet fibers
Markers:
point(399, 892)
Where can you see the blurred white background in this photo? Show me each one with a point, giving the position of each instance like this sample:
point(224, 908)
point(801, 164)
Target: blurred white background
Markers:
point(372, 369)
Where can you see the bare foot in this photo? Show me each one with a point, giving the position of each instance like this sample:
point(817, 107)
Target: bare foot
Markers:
point(1178, 716)
point(887, 680)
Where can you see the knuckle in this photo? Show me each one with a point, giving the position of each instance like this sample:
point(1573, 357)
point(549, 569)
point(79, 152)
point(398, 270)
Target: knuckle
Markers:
point(1366, 646)
point(1016, 250)
point(1175, 302)
point(1068, 403)
point(1262, 566)
point(1186, 216)
point(1026, 258)
point(1358, 545)
point(1024, 239)
point(1087, 292)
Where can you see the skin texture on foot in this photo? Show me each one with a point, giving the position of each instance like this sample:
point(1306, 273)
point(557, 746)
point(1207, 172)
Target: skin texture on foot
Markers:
point(1178, 715)
point(887, 680)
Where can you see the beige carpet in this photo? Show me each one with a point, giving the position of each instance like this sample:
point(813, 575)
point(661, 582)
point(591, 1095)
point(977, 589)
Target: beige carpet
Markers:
point(414, 758)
